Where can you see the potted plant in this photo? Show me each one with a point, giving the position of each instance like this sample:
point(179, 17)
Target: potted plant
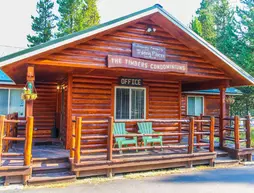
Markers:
point(28, 94)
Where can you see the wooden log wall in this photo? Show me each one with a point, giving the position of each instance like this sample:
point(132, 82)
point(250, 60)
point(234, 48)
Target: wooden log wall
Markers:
point(211, 105)
point(44, 110)
point(93, 99)
point(119, 43)
point(211, 108)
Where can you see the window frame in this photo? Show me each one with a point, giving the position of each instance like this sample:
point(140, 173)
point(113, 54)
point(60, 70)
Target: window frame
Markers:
point(9, 101)
point(130, 104)
point(203, 99)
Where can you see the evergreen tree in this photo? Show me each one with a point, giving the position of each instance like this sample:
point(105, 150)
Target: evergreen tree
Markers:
point(234, 32)
point(226, 38)
point(245, 29)
point(43, 24)
point(207, 21)
point(76, 15)
point(196, 26)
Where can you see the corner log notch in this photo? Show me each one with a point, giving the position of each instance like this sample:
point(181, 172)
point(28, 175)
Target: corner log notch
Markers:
point(211, 84)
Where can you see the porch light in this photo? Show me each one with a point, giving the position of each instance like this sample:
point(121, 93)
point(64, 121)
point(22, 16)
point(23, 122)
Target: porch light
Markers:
point(150, 29)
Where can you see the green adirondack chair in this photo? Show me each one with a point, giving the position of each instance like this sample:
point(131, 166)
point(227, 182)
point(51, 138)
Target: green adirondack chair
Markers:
point(119, 129)
point(146, 128)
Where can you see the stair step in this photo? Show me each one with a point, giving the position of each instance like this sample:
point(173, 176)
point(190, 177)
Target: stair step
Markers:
point(38, 179)
point(51, 167)
point(226, 161)
point(50, 160)
point(222, 154)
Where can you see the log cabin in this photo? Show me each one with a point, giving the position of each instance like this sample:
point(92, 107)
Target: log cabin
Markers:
point(130, 70)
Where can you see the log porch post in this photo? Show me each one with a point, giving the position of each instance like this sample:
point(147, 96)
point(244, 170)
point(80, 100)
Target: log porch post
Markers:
point(69, 112)
point(222, 114)
point(2, 118)
point(30, 77)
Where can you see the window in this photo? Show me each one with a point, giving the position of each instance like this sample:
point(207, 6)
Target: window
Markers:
point(129, 103)
point(195, 105)
point(11, 102)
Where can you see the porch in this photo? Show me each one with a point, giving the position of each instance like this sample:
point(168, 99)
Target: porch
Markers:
point(49, 163)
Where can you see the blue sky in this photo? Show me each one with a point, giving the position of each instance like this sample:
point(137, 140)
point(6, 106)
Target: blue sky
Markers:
point(15, 15)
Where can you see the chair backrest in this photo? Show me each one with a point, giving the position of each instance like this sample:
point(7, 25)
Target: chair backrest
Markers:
point(119, 129)
point(145, 127)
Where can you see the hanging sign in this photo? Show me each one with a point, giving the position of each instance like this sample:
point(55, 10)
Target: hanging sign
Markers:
point(148, 52)
point(135, 63)
point(124, 81)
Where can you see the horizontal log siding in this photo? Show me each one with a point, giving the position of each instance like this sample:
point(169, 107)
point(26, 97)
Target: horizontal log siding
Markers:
point(163, 104)
point(93, 100)
point(45, 109)
point(119, 43)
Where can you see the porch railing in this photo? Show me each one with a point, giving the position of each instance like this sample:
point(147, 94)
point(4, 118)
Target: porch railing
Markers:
point(7, 125)
point(237, 136)
point(77, 137)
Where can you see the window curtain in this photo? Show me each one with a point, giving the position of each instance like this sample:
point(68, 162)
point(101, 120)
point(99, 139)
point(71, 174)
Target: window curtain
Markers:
point(137, 104)
point(122, 103)
point(4, 101)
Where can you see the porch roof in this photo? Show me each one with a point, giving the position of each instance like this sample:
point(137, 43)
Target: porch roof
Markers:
point(229, 92)
point(4, 79)
point(162, 17)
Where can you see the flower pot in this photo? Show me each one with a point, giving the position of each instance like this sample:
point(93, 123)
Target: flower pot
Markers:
point(27, 96)
point(33, 96)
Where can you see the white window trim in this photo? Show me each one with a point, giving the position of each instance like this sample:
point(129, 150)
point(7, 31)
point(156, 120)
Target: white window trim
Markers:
point(203, 110)
point(9, 97)
point(129, 87)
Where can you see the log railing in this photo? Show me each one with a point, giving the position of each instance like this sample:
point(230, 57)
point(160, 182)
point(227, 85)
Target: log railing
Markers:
point(5, 139)
point(10, 130)
point(238, 134)
point(75, 151)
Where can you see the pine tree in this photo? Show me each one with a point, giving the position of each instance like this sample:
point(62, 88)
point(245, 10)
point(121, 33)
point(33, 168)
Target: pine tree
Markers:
point(207, 21)
point(43, 24)
point(234, 32)
point(226, 38)
point(245, 31)
point(76, 15)
point(196, 26)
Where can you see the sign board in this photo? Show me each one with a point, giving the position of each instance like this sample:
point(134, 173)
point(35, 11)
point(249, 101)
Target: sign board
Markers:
point(148, 52)
point(135, 63)
point(123, 81)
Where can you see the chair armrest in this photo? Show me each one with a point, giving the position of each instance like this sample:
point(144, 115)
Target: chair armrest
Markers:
point(154, 132)
point(135, 137)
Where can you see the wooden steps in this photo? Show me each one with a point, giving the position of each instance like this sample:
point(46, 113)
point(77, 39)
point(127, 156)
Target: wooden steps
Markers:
point(51, 170)
point(225, 161)
point(56, 177)
point(222, 154)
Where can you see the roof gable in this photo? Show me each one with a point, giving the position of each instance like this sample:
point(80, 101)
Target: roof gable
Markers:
point(160, 17)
